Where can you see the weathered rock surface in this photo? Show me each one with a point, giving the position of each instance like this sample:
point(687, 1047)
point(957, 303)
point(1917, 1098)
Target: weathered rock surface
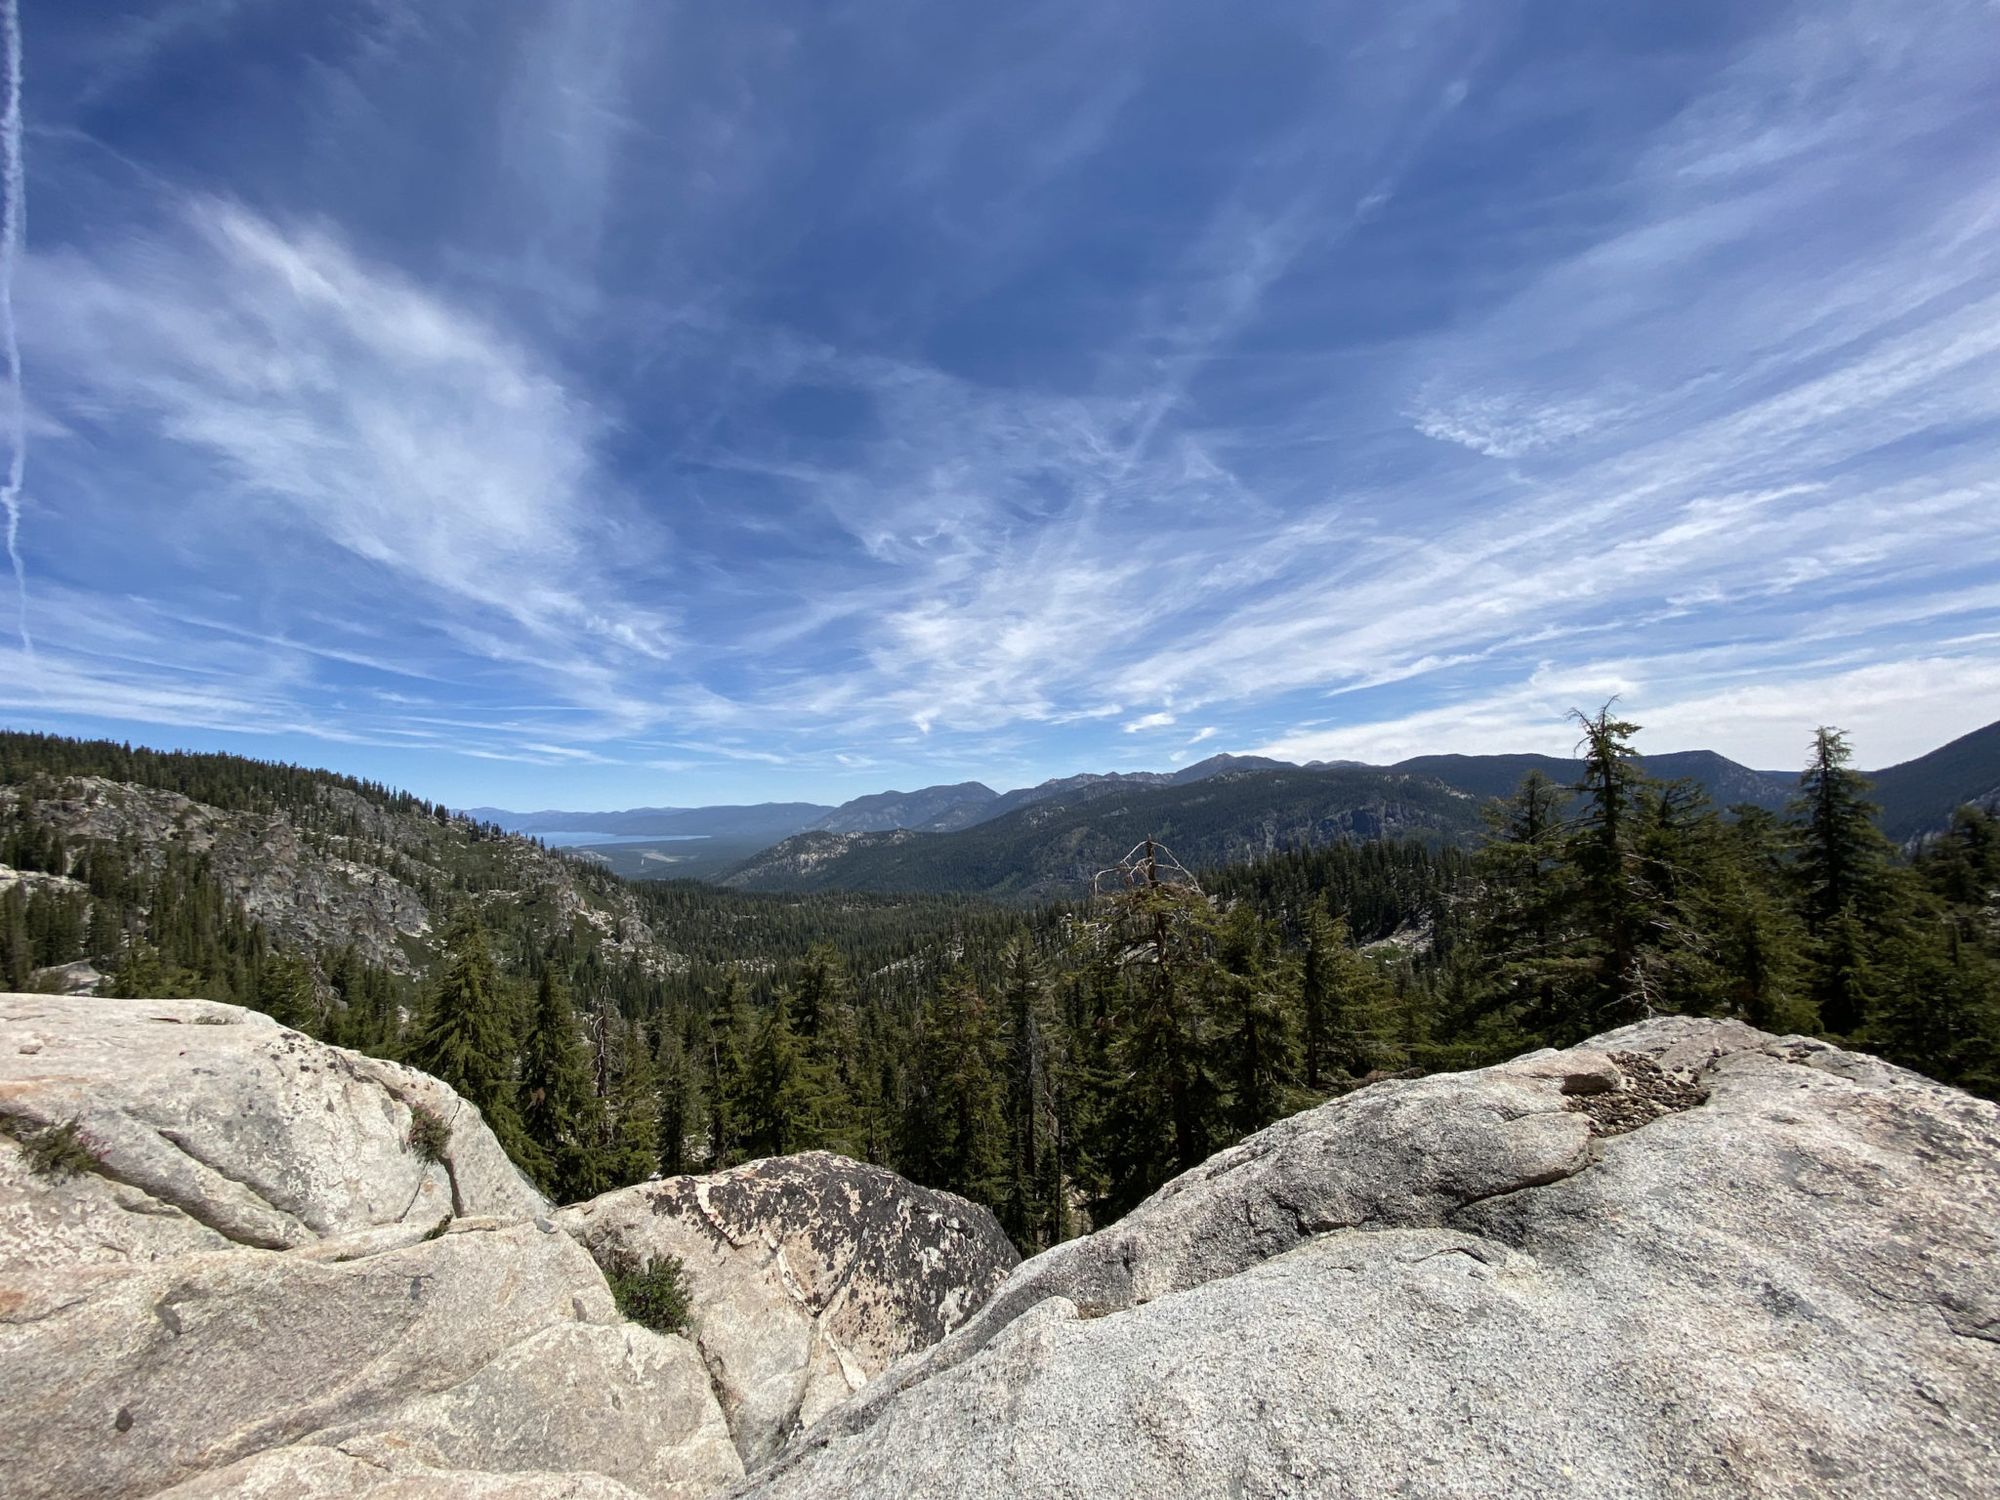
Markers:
point(810, 1275)
point(1686, 1259)
point(264, 1291)
point(494, 1347)
point(329, 1474)
point(211, 1117)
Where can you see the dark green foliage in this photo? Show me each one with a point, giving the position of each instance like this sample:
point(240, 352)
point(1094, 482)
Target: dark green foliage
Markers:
point(633, 1153)
point(1257, 1041)
point(468, 1038)
point(1058, 1062)
point(728, 1031)
point(778, 1095)
point(652, 1293)
point(951, 1130)
point(57, 1151)
point(560, 1110)
point(429, 1135)
point(680, 1105)
point(286, 991)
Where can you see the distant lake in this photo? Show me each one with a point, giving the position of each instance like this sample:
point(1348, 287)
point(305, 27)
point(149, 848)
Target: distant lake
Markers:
point(576, 840)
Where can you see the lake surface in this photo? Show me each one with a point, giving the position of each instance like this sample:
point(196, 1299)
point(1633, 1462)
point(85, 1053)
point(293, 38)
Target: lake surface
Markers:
point(578, 840)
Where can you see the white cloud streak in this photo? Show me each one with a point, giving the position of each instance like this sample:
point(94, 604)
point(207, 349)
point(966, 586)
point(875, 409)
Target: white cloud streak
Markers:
point(13, 235)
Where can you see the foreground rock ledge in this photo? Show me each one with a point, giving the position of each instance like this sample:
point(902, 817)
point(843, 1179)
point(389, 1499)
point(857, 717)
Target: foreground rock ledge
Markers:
point(1685, 1259)
point(263, 1291)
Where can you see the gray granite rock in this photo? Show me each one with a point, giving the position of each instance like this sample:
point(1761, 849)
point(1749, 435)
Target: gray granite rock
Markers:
point(329, 1474)
point(218, 1115)
point(810, 1275)
point(492, 1347)
point(260, 1273)
point(1687, 1259)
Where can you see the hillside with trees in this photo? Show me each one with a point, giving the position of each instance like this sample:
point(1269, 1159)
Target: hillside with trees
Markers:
point(1055, 1061)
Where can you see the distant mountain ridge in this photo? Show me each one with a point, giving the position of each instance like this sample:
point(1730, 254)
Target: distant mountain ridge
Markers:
point(1054, 845)
point(881, 840)
point(930, 809)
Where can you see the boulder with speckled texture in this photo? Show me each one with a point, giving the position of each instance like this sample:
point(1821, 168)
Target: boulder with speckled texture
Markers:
point(809, 1275)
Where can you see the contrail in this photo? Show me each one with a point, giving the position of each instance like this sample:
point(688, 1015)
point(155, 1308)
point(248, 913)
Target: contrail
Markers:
point(13, 233)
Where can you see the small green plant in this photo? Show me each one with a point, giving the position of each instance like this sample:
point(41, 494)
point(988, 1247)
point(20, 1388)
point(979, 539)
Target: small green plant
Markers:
point(430, 1135)
point(654, 1293)
point(60, 1151)
point(438, 1230)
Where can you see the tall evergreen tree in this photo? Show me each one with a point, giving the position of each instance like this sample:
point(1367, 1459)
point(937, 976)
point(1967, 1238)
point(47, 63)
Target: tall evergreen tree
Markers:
point(1615, 985)
point(1255, 1026)
point(287, 993)
point(722, 1074)
point(777, 1089)
point(466, 1040)
point(1024, 993)
point(1841, 852)
point(1162, 1116)
point(680, 1100)
point(953, 1133)
point(1845, 890)
point(635, 1110)
point(560, 1111)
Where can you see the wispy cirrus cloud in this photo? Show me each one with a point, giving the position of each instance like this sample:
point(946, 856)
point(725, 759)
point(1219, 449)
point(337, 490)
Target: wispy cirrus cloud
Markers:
point(805, 396)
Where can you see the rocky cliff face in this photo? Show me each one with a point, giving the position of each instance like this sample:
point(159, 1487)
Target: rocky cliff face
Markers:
point(1686, 1259)
point(813, 1274)
point(365, 885)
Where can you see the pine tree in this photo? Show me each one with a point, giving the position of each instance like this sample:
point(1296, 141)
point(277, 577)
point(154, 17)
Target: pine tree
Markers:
point(466, 1040)
point(635, 1111)
point(287, 993)
point(723, 1073)
point(1024, 998)
point(1844, 887)
point(1614, 986)
point(1346, 1005)
point(1842, 855)
point(680, 1100)
point(954, 1135)
point(17, 949)
point(1162, 1115)
point(1760, 941)
point(560, 1111)
point(777, 1091)
point(1255, 1028)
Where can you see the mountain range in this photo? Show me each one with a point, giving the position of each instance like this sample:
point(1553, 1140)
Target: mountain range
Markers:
point(1051, 838)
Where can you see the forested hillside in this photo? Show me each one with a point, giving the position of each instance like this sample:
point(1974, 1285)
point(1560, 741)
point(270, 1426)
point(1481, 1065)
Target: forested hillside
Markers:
point(1056, 1061)
point(1054, 847)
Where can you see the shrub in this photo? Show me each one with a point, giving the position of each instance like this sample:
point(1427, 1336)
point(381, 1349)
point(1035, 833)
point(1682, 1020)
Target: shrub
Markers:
point(653, 1294)
point(430, 1135)
point(59, 1152)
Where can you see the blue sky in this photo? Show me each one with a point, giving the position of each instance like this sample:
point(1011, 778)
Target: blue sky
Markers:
point(629, 401)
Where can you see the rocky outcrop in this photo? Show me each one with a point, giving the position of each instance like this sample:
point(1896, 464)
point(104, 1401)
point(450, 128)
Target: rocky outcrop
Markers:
point(331, 869)
point(494, 1347)
point(1685, 1259)
point(258, 1288)
point(206, 1117)
point(809, 1274)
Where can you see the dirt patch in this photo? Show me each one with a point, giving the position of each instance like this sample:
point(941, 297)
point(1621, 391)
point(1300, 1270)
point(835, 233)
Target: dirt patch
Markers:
point(1648, 1093)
